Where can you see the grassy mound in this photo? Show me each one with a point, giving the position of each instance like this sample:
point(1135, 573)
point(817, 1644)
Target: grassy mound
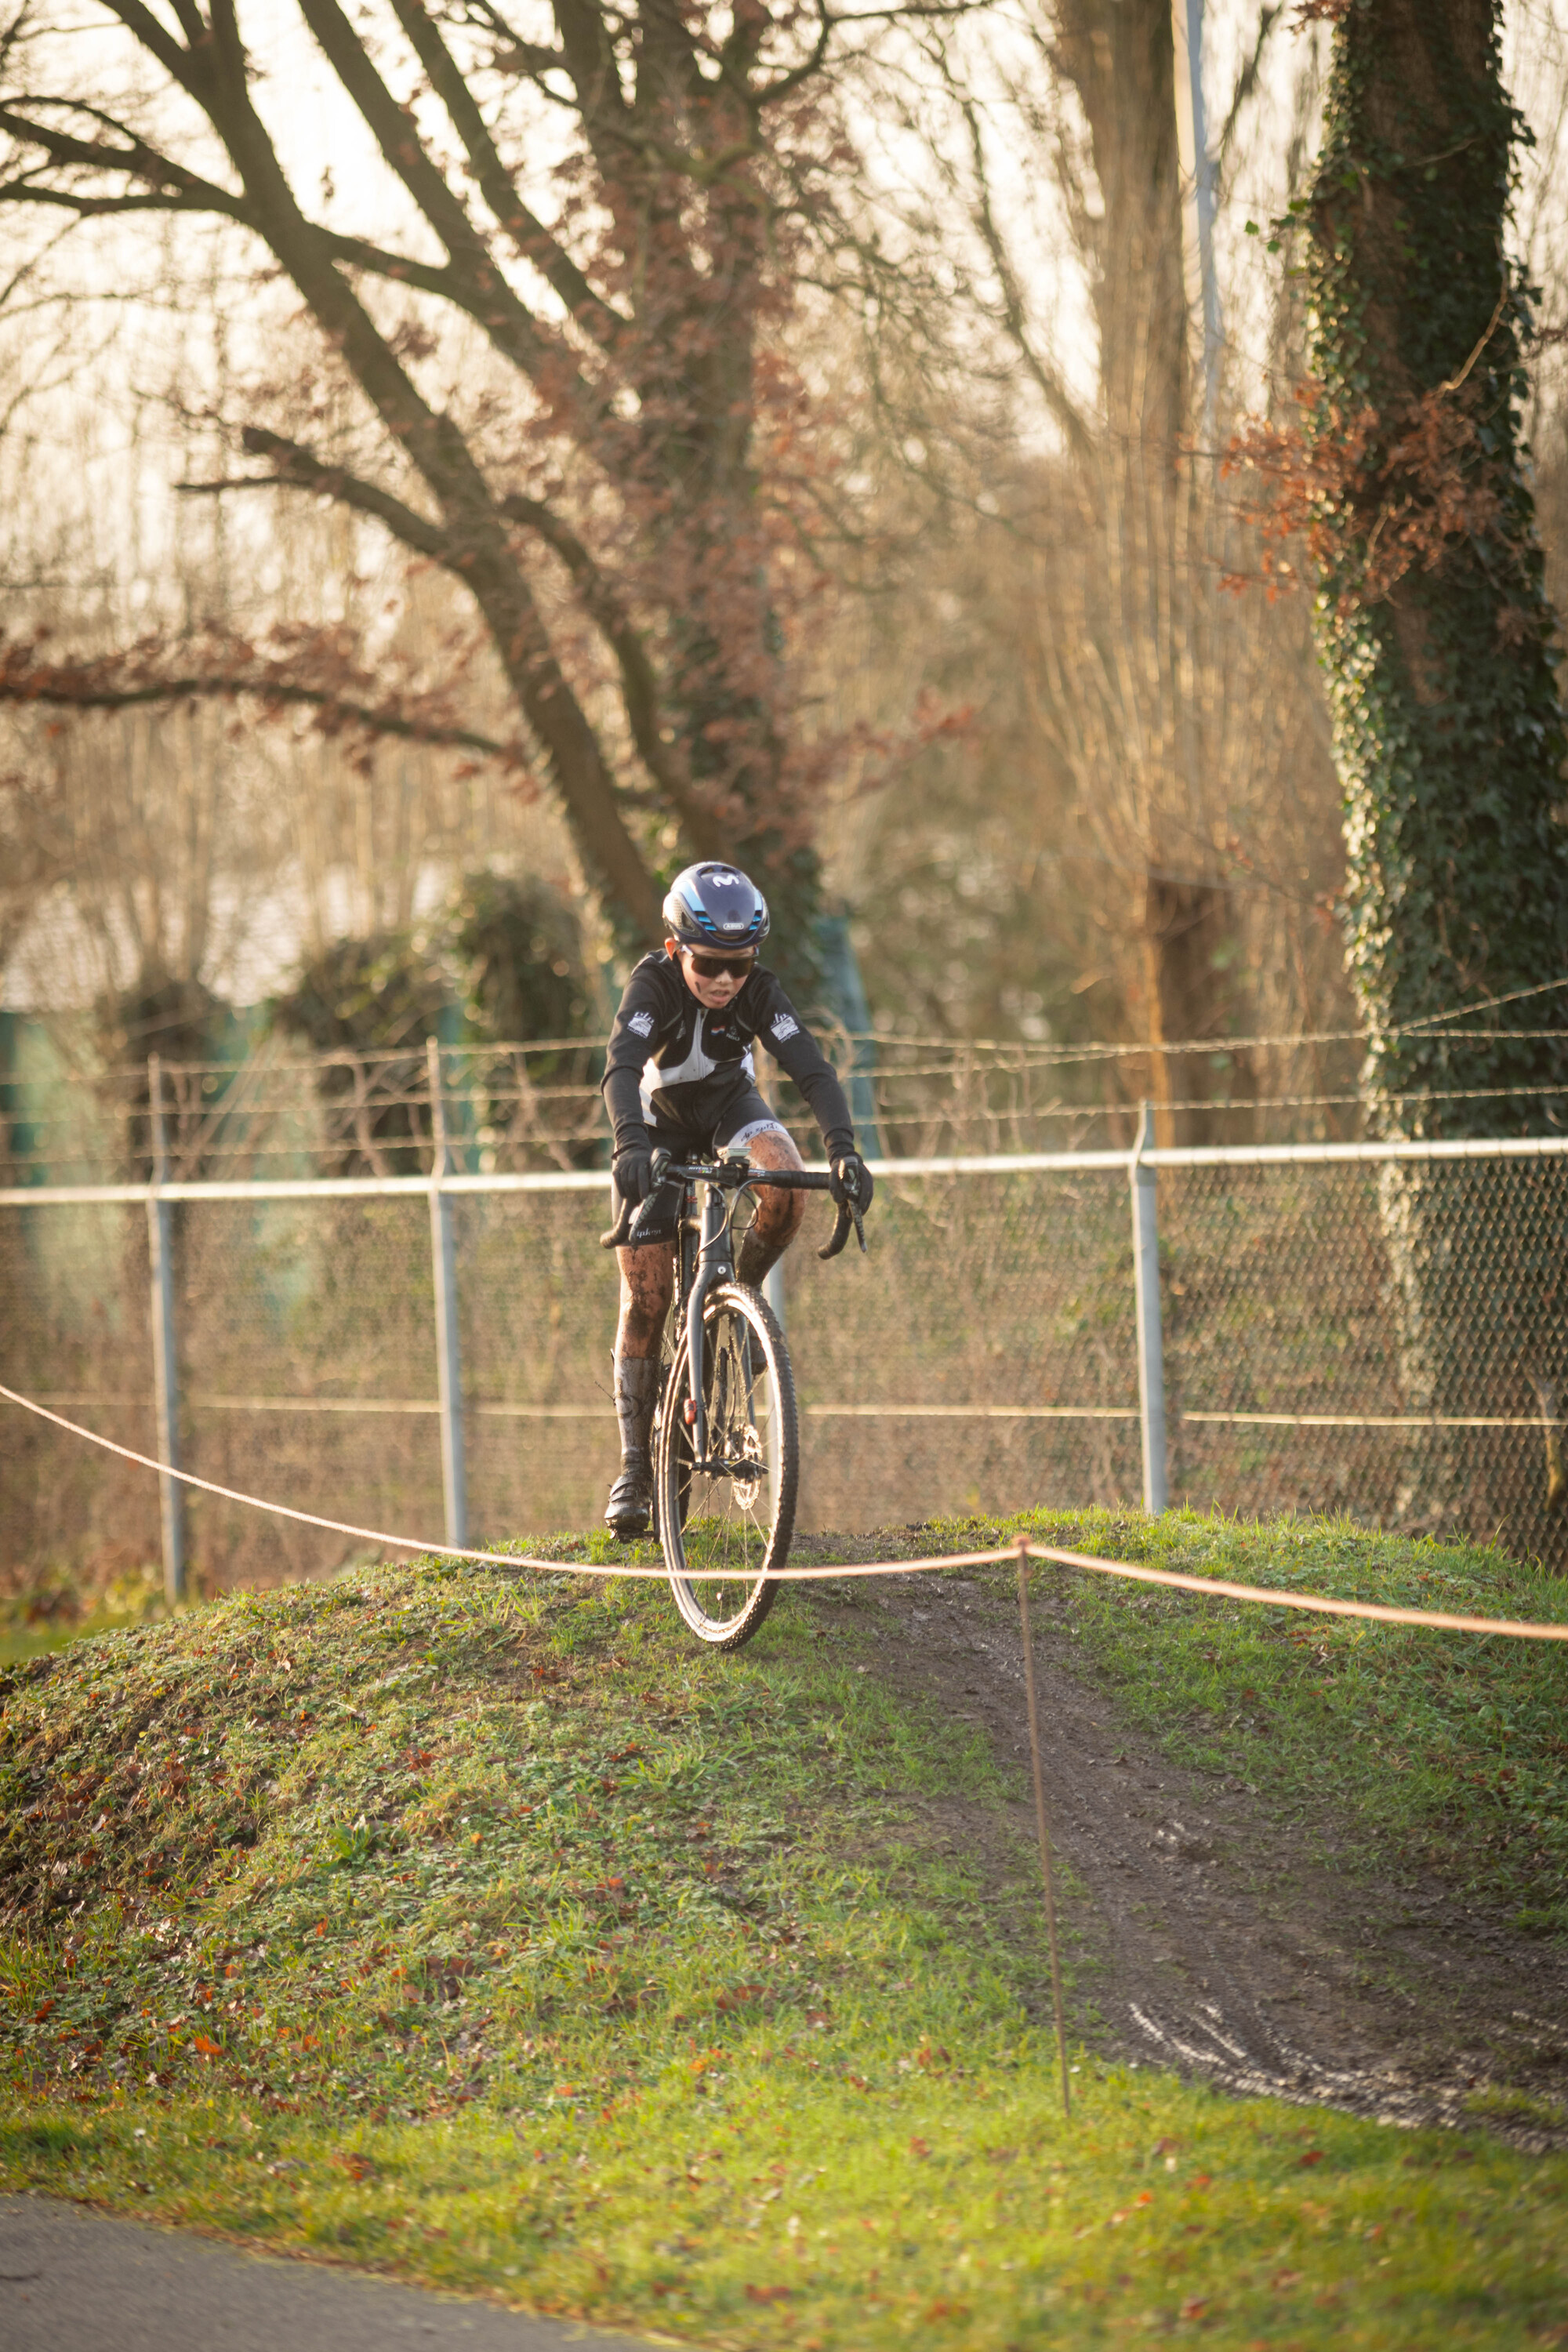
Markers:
point(1427, 1750)
point(486, 1931)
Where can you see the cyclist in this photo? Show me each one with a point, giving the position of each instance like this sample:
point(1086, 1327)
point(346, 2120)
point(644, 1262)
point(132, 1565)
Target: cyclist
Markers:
point(679, 1076)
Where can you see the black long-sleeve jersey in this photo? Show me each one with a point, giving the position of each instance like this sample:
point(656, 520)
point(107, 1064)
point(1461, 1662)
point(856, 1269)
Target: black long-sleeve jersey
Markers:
point(675, 1064)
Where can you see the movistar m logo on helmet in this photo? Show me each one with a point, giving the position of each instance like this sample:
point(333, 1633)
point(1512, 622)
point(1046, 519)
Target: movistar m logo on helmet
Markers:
point(715, 905)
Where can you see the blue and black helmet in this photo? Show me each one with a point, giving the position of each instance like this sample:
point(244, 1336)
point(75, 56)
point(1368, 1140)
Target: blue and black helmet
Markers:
point(715, 906)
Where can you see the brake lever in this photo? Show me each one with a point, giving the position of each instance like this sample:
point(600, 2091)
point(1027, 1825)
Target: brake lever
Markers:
point(620, 1233)
point(624, 1232)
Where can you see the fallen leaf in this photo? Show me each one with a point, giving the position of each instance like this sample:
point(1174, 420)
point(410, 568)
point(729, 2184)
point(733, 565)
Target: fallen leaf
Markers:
point(1313, 2156)
point(919, 2148)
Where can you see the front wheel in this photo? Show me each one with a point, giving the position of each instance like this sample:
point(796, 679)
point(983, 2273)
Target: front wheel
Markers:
point(725, 1522)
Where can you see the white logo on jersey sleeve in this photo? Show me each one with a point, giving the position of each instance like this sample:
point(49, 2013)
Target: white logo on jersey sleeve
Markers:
point(642, 1022)
point(785, 1025)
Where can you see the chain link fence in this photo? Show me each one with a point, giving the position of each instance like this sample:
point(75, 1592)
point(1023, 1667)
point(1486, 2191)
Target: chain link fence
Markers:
point(1379, 1335)
point(536, 1106)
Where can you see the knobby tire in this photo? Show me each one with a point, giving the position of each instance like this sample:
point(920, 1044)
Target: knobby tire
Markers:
point(725, 1537)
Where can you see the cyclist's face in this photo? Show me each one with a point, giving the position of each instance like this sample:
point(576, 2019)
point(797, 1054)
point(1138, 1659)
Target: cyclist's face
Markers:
point(715, 993)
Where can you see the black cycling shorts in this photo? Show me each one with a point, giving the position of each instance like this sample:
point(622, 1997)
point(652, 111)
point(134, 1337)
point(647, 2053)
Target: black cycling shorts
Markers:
point(736, 1120)
point(742, 1115)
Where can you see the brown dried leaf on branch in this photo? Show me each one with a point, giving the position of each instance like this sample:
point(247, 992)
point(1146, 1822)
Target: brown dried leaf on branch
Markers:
point(320, 670)
point(1367, 499)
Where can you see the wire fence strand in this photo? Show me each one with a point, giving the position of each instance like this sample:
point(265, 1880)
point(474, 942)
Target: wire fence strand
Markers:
point(1211, 1587)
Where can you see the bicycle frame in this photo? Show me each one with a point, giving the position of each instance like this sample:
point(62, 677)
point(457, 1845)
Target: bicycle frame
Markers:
point(703, 1256)
point(704, 1259)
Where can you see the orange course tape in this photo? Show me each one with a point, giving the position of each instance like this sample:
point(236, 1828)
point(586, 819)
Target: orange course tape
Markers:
point(1214, 1588)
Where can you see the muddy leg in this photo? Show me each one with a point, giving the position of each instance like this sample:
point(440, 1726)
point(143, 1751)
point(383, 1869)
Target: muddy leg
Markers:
point(778, 1216)
point(648, 1281)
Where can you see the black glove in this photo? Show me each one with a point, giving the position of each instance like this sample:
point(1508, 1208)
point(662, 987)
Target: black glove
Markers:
point(850, 1179)
point(632, 1169)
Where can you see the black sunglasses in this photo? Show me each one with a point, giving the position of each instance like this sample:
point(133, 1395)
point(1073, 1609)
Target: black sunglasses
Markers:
point(713, 967)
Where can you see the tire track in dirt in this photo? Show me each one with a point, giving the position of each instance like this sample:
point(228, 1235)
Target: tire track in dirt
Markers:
point(1224, 1944)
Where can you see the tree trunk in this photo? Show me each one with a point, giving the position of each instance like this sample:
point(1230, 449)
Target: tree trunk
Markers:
point(1448, 733)
point(1119, 56)
point(1436, 637)
point(1188, 943)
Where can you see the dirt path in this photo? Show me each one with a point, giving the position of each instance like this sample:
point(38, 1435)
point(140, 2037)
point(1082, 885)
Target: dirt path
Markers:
point(1223, 1945)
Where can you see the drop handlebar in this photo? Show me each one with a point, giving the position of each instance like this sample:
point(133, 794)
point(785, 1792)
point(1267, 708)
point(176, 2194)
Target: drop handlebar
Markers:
point(731, 1176)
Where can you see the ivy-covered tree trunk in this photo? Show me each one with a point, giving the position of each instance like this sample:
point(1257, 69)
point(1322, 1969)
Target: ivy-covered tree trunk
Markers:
point(1436, 630)
point(1438, 643)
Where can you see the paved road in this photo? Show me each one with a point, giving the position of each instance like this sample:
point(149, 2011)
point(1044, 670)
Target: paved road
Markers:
point(72, 2281)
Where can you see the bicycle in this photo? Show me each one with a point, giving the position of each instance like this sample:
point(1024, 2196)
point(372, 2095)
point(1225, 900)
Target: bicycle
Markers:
point(726, 1440)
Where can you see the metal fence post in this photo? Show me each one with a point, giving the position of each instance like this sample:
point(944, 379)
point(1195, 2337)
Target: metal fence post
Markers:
point(1150, 1351)
point(165, 1346)
point(449, 1359)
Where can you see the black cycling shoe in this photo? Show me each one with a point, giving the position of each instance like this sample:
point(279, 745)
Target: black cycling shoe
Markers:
point(630, 1506)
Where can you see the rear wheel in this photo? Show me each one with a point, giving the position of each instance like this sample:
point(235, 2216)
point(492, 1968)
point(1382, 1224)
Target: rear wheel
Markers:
point(725, 1523)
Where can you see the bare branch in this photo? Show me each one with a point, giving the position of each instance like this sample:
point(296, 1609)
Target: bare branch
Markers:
point(193, 24)
point(771, 92)
point(498, 187)
point(1245, 82)
point(179, 64)
point(639, 687)
point(1015, 316)
point(158, 172)
point(492, 301)
point(175, 189)
point(911, 15)
point(90, 685)
point(302, 469)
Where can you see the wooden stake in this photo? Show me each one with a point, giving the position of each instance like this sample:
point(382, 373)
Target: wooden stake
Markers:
point(1040, 1819)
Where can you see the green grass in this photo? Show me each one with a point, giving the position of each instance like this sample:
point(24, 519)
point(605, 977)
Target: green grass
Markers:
point(491, 1934)
point(1421, 1751)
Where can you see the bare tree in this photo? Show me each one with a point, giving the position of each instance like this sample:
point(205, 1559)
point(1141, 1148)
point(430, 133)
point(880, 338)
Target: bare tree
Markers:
point(566, 377)
point(1167, 785)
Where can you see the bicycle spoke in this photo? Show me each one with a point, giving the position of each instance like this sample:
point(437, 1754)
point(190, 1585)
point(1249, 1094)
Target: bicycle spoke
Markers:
point(739, 1498)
